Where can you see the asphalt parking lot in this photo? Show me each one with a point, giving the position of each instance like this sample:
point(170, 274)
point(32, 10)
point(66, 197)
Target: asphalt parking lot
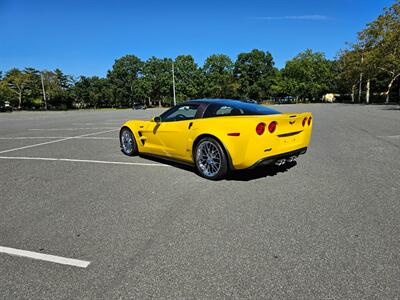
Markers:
point(327, 227)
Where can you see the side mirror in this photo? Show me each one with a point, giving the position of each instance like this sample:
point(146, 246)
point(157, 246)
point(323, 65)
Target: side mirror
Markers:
point(156, 119)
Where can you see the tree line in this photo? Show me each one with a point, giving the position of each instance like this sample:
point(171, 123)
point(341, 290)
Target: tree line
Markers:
point(366, 71)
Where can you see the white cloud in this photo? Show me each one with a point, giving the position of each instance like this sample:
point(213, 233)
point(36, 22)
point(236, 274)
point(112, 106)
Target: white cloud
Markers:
point(301, 17)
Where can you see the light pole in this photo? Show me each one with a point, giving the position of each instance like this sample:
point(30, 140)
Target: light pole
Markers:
point(44, 91)
point(173, 82)
point(361, 78)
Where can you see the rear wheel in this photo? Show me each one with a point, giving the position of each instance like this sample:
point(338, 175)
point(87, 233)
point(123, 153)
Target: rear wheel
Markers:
point(128, 142)
point(210, 159)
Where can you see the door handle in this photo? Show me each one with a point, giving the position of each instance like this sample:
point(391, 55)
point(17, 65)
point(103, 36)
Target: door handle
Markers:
point(190, 125)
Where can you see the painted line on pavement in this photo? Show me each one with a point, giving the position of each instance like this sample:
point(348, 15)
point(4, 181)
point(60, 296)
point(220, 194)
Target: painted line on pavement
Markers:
point(84, 161)
point(71, 129)
point(56, 141)
point(58, 137)
point(390, 136)
point(45, 257)
point(97, 124)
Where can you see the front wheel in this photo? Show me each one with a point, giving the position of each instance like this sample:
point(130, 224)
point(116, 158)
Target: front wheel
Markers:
point(128, 142)
point(210, 159)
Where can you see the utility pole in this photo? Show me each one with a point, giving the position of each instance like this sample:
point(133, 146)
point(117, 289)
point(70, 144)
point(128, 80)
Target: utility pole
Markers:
point(173, 82)
point(361, 78)
point(44, 91)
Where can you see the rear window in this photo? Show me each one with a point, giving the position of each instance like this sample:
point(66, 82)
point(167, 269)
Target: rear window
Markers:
point(237, 109)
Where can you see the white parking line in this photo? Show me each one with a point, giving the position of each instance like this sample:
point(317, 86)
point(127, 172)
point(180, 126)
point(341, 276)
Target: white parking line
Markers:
point(58, 137)
point(56, 141)
point(70, 129)
point(84, 161)
point(390, 136)
point(94, 124)
point(45, 257)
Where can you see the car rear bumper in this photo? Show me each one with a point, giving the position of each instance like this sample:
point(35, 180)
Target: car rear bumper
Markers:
point(273, 159)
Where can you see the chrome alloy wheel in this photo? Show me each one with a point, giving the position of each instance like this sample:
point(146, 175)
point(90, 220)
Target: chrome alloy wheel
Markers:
point(127, 141)
point(208, 158)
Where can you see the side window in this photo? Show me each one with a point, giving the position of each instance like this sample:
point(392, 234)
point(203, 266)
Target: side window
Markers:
point(223, 111)
point(180, 113)
point(215, 110)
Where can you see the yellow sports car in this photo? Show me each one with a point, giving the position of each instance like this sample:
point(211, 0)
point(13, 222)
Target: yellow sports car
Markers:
point(218, 135)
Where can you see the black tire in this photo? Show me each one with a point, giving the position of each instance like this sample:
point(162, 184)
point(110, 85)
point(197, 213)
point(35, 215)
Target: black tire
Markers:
point(210, 159)
point(127, 142)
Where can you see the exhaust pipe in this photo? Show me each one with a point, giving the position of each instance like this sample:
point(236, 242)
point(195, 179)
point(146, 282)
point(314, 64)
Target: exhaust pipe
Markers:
point(280, 162)
point(291, 159)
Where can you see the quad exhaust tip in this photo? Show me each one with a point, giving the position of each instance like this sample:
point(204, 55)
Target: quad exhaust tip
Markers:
point(282, 161)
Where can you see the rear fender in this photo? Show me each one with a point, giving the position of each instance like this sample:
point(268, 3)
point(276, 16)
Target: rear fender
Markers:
point(226, 144)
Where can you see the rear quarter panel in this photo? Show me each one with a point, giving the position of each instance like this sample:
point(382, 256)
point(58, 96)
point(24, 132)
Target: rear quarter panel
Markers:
point(219, 127)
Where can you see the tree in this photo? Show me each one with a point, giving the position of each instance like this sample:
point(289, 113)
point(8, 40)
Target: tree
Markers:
point(189, 78)
point(382, 37)
point(219, 80)
point(57, 87)
point(6, 94)
point(278, 86)
point(33, 89)
point(92, 92)
point(123, 78)
point(157, 81)
point(17, 81)
point(254, 72)
point(308, 75)
point(347, 71)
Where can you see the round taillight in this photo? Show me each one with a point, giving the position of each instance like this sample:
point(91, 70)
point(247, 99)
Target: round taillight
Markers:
point(309, 121)
point(260, 128)
point(304, 122)
point(272, 127)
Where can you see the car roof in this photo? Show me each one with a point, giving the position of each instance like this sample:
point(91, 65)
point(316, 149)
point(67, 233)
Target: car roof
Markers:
point(216, 101)
point(249, 107)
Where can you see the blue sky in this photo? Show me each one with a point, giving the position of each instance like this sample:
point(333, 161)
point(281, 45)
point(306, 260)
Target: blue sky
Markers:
point(85, 37)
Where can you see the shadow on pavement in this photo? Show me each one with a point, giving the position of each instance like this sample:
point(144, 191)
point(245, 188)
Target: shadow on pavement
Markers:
point(242, 175)
point(259, 172)
point(166, 161)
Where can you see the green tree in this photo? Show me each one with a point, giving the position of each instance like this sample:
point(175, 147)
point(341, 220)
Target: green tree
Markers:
point(6, 94)
point(33, 87)
point(17, 81)
point(278, 86)
point(189, 78)
point(157, 81)
point(57, 86)
point(382, 41)
point(219, 81)
point(255, 74)
point(92, 92)
point(348, 67)
point(123, 78)
point(308, 75)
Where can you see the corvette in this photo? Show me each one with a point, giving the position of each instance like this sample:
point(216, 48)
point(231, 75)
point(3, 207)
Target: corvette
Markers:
point(219, 135)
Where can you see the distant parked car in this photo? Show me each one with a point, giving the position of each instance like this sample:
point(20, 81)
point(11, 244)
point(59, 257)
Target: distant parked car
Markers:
point(286, 100)
point(138, 105)
point(250, 101)
point(331, 97)
point(5, 106)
